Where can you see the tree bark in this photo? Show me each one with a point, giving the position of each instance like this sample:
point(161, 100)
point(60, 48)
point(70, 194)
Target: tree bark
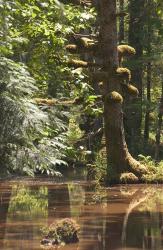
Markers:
point(121, 22)
point(159, 127)
point(146, 126)
point(119, 159)
point(136, 40)
point(149, 71)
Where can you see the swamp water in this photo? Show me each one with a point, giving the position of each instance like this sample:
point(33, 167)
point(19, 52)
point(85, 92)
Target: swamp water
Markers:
point(120, 218)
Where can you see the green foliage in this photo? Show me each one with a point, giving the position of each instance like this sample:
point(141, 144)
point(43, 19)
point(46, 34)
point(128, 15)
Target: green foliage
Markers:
point(30, 142)
point(155, 174)
point(37, 33)
point(34, 138)
point(98, 171)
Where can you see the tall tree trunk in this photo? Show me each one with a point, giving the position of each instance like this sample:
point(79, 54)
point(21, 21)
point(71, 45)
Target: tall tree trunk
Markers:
point(118, 158)
point(136, 34)
point(121, 22)
point(149, 70)
point(147, 120)
point(159, 127)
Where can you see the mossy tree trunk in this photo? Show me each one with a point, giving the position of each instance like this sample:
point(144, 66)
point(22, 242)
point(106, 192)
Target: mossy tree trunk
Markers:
point(121, 22)
point(119, 159)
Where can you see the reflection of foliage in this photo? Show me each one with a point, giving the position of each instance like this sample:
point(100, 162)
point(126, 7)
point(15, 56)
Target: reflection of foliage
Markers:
point(77, 198)
point(100, 198)
point(28, 200)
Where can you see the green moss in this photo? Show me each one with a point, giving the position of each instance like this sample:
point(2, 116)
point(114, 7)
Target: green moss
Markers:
point(77, 63)
point(114, 97)
point(72, 48)
point(86, 42)
point(152, 116)
point(124, 74)
point(82, 43)
point(126, 50)
point(63, 231)
point(131, 90)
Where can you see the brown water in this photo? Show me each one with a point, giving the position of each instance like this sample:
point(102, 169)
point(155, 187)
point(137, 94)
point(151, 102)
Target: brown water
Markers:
point(121, 217)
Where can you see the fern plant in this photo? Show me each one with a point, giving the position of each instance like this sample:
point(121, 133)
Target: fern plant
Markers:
point(32, 138)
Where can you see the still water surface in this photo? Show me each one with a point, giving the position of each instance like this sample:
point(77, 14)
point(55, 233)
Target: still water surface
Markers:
point(119, 218)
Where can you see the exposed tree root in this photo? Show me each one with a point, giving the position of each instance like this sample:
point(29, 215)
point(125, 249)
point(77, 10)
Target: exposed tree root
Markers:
point(135, 166)
point(135, 172)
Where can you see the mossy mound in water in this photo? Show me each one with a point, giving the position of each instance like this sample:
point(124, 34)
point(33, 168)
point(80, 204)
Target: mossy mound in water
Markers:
point(63, 231)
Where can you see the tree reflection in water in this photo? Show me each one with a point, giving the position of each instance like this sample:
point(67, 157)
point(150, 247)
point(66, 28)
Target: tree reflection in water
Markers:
point(5, 195)
point(27, 212)
point(117, 218)
point(144, 220)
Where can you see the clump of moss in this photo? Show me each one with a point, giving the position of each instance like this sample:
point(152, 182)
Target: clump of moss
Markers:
point(131, 90)
point(86, 42)
point(124, 74)
point(114, 97)
point(126, 50)
point(72, 48)
point(77, 63)
point(152, 116)
point(80, 63)
point(63, 231)
point(128, 178)
point(82, 43)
